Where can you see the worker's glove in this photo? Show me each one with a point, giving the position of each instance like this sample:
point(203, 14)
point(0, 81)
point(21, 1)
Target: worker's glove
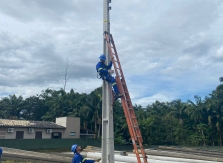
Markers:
point(111, 72)
point(97, 160)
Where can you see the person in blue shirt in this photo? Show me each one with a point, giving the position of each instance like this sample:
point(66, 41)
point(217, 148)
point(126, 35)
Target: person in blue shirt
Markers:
point(105, 73)
point(78, 158)
point(0, 154)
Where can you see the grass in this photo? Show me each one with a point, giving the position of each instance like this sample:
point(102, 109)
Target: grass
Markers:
point(52, 150)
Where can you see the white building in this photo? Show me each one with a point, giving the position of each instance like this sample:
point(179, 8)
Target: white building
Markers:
point(65, 127)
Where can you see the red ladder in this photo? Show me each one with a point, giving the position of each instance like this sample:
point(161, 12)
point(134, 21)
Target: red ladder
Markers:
point(126, 100)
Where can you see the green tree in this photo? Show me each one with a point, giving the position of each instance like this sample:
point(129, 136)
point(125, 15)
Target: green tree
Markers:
point(178, 109)
point(197, 112)
point(33, 108)
point(11, 106)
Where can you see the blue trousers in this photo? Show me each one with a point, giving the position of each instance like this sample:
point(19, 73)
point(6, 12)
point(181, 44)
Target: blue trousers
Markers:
point(110, 79)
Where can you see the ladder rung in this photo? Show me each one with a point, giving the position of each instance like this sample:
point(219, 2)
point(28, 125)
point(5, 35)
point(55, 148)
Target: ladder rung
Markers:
point(127, 105)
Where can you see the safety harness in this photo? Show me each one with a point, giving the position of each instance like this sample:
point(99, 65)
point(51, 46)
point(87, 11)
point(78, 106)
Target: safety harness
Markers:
point(101, 76)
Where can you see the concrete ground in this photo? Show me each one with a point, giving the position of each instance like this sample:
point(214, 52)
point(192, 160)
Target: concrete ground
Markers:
point(162, 155)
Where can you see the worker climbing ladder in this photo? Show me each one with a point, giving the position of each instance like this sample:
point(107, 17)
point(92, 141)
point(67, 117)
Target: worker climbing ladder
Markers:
point(126, 101)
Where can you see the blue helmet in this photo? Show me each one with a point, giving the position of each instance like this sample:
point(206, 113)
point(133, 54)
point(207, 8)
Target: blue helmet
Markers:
point(102, 57)
point(74, 147)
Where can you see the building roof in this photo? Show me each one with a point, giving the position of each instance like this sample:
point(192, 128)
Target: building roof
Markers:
point(30, 124)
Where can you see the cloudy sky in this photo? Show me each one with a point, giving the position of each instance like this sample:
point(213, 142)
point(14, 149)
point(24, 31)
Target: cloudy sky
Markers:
point(168, 49)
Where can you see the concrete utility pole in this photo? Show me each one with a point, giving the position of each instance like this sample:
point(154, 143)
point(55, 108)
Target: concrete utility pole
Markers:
point(107, 109)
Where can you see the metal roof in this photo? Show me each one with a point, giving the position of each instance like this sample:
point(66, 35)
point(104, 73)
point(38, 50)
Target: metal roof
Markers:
point(26, 123)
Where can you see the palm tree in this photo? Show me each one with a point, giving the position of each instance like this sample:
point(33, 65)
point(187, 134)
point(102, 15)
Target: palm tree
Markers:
point(197, 112)
point(140, 112)
point(58, 104)
point(95, 103)
point(12, 105)
point(178, 111)
point(215, 108)
point(85, 114)
point(212, 115)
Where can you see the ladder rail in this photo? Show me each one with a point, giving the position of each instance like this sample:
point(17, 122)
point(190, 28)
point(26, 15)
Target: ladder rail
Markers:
point(127, 115)
point(126, 100)
point(123, 80)
point(124, 91)
point(128, 97)
point(118, 83)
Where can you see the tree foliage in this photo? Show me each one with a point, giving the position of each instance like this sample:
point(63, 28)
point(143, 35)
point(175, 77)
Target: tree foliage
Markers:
point(195, 122)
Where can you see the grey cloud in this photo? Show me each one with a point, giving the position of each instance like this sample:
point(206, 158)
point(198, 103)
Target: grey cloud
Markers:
point(44, 60)
point(51, 10)
point(47, 53)
point(217, 56)
point(6, 65)
point(4, 81)
point(161, 45)
point(172, 24)
point(165, 30)
point(31, 10)
point(200, 49)
point(9, 42)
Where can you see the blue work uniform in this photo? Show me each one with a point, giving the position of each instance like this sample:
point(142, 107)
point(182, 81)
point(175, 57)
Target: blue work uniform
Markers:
point(80, 159)
point(102, 70)
point(0, 154)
